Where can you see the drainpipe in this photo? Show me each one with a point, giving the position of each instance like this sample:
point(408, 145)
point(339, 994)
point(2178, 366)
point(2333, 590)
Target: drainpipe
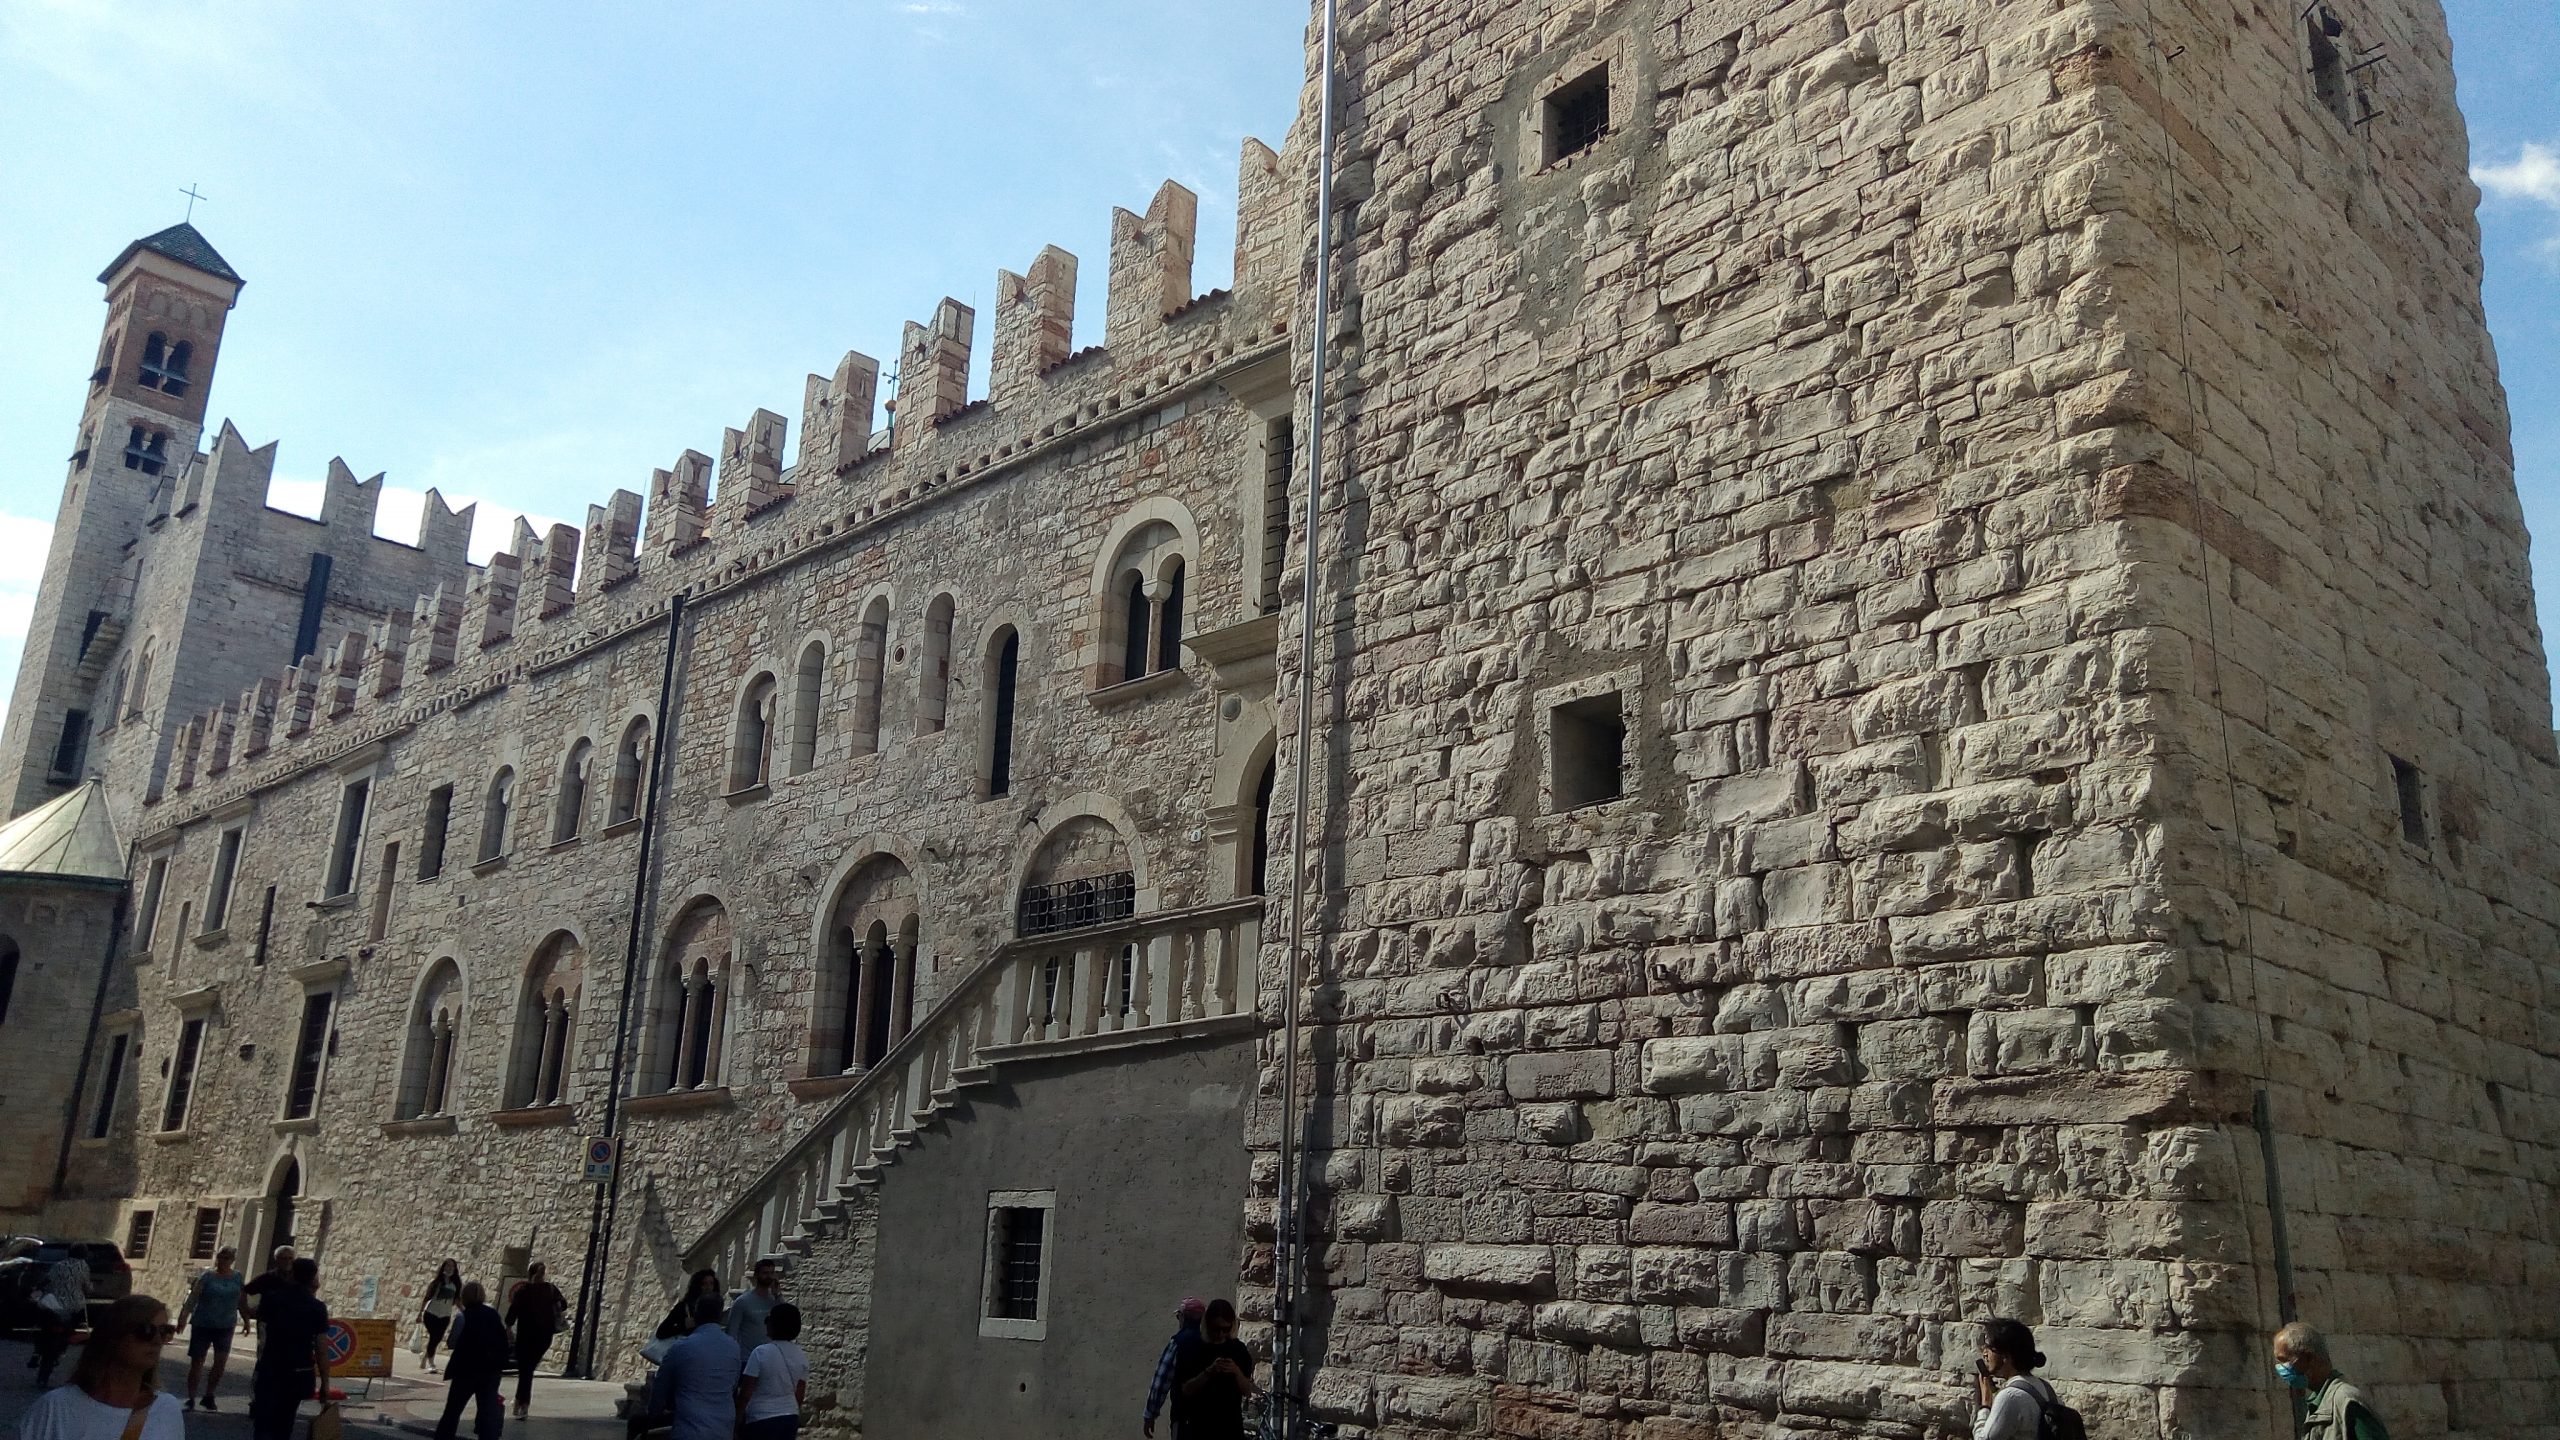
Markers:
point(588, 1324)
point(1288, 1363)
point(97, 1011)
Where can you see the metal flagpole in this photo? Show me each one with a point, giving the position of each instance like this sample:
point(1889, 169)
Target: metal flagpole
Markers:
point(1288, 1273)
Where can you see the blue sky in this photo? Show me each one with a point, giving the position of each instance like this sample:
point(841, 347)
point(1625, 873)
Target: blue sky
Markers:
point(527, 253)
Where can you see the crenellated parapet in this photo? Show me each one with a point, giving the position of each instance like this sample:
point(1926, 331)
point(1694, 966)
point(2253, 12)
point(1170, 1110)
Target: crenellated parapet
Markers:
point(863, 461)
point(933, 371)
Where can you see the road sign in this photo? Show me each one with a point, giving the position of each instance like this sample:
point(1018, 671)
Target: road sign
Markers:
point(358, 1348)
point(601, 1153)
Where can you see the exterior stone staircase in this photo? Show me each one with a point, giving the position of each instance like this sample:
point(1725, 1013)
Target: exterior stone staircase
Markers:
point(1151, 979)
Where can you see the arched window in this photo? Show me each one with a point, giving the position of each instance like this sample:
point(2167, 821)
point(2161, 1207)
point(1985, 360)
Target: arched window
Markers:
point(805, 683)
point(751, 751)
point(428, 1063)
point(689, 1013)
point(154, 362)
point(540, 1059)
point(494, 811)
point(866, 997)
point(569, 811)
point(1143, 625)
point(1169, 617)
point(1137, 617)
point(630, 767)
point(8, 974)
point(869, 668)
point(1004, 664)
point(933, 687)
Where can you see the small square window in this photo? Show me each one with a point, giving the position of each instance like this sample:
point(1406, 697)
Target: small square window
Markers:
point(1015, 1300)
point(1576, 116)
point(1587, 751)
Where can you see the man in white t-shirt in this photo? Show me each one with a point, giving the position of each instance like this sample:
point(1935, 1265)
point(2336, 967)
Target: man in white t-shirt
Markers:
point(776, 1382)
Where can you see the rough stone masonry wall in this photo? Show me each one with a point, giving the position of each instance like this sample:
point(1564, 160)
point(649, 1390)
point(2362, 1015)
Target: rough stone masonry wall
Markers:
point(1818, 411)
point(1009, 511)
point(2355, 591)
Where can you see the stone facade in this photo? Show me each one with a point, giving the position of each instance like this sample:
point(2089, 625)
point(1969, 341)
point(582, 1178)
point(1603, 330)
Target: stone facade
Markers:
point(2027, 487)
point(385, 895)
point(1926, 660)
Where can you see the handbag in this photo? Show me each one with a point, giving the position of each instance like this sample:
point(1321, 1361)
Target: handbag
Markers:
point(327, 1425)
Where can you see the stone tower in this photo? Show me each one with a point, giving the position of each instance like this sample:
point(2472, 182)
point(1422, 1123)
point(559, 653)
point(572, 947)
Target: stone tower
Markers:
point(1934, 665)
point(168, 296)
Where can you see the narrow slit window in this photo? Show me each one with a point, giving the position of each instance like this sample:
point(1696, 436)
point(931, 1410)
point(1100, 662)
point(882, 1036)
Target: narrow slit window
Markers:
point(2411, 787)
point(1008, 660)
point(226, 869)
point(310, 1052)
point(1279, 467)
point(109, 1079)
point(182, 1075)
point(350, 837)
point(439, 824)
point(137, 1235)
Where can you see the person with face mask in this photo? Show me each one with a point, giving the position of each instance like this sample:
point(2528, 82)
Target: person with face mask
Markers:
point(2332, 1408)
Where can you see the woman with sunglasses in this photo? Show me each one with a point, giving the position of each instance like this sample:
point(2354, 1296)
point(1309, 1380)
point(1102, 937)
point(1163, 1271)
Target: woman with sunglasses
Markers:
point(114, 1392)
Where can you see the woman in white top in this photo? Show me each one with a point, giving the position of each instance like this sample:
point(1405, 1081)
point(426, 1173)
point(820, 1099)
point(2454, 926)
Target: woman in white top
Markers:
point(776, 1382)
point(2004, 1379)
point(113, 1394)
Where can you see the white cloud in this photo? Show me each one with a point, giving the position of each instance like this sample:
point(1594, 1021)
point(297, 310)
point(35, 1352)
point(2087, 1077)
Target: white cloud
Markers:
point(2534, 176)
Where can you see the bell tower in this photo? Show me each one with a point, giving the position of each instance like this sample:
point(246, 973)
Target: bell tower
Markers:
point(168, 296)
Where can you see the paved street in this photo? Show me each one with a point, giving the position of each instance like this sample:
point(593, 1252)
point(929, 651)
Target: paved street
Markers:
point(407, 1404)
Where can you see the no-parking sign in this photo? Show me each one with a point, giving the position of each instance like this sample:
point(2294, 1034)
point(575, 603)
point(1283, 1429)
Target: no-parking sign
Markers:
point(601, 1153)
point(358, 1347)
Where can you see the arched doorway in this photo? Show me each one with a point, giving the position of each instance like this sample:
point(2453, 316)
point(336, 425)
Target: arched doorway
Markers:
point(288, 1190)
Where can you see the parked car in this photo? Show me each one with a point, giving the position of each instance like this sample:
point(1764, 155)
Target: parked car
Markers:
point(22, 1278)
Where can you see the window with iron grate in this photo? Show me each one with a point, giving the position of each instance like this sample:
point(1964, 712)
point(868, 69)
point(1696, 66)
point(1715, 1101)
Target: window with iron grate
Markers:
point(1076, 904)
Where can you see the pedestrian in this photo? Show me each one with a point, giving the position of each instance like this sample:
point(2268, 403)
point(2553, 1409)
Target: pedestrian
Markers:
point(698, 1382)
point(475, 1367)
point(1186, 1325)
point(114, 1390)
point(435, 1305)
point(211, 1312)
point(679, 1319)
point(533, 1317)
point(277, 1275)
point(775, 1383)
point(2012, 1400)
point(63, 1303)
point(1212, 1374)
point(292, 1361)
point(747, 1316)
point(2332, 1409)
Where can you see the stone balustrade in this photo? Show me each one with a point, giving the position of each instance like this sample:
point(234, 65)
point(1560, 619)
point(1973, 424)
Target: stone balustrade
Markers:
point(1148, 979)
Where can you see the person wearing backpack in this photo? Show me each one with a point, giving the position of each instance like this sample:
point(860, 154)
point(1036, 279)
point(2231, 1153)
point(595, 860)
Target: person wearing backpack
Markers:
point(2015, 1402)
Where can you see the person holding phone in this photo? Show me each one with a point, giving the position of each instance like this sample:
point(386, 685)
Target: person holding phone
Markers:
point(2012, 1398)
point(1212, 1376)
